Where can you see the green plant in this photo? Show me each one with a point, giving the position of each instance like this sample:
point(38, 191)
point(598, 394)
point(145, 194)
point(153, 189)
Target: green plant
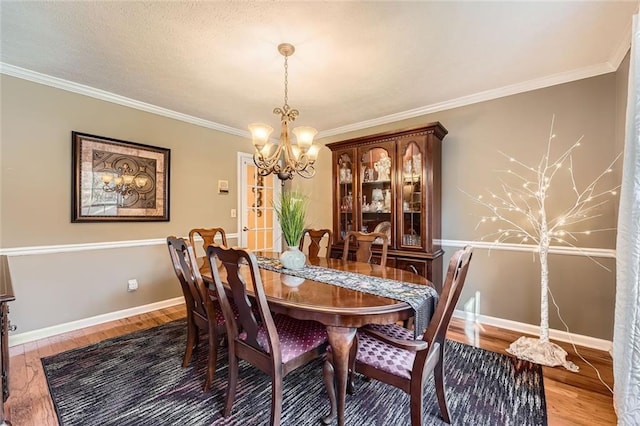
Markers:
point(291, 210)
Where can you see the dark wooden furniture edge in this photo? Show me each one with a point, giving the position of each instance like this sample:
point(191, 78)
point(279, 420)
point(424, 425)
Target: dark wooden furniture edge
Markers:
point(6, 295)
point(434, 128)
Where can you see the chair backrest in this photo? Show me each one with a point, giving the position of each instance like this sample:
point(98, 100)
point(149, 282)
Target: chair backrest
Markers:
point(196, 293)
point(364, 242)
point(456, 275)
point(315, 236)
point(241, 272)
point(208, 236)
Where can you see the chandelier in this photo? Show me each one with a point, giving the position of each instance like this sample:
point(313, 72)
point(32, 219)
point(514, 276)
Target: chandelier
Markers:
point(283, 158)
point(123, 182)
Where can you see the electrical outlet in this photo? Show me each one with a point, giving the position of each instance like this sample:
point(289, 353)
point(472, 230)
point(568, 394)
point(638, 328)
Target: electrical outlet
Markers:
point(234, 213)
point(132, 285)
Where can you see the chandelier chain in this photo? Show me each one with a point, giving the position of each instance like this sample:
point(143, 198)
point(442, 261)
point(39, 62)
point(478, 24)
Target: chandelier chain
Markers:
point(284, 158)
point(286, 82)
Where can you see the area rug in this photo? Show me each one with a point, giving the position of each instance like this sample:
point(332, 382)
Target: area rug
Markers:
point(137, 379)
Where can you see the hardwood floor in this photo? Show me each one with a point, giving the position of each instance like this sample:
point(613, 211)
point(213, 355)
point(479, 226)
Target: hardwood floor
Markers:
point(572, 398)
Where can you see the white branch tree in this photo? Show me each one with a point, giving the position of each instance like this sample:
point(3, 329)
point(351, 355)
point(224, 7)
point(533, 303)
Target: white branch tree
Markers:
point(522, 205)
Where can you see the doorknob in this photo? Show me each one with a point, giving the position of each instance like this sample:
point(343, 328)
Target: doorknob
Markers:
point(245, 229)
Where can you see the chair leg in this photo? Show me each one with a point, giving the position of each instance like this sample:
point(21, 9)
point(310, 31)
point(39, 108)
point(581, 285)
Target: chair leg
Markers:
point(192, 341)
point(416, 407)
point(212, 359)
point(329, 384)
point(232, 383)
point(276, 398)
point(438, 375)
point(352, 366)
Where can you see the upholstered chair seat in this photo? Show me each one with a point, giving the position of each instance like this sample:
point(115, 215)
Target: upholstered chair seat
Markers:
point(390, 354)
point(296, 337)
point(383, 356)
point(275, 344)
point(204, 312)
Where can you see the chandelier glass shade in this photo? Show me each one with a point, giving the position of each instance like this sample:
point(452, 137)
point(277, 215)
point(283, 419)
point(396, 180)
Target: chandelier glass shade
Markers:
point(284, 158)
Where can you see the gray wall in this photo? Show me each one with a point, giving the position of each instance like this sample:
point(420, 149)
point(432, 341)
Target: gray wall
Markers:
point(508, 282)
point(52, 289)
point(35, 184)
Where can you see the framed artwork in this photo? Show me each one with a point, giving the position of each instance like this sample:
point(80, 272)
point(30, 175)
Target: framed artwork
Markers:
point(118, 181)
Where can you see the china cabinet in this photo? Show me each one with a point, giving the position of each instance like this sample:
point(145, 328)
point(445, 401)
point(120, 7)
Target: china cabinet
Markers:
point(390, 182)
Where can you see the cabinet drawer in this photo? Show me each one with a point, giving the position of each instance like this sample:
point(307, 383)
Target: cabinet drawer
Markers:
point(416, 266)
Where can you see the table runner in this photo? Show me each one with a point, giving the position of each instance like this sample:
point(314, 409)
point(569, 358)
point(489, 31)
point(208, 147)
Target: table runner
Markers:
point(422, 298)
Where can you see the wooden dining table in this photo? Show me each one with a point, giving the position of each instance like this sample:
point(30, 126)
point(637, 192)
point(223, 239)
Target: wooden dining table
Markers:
point(340, 309)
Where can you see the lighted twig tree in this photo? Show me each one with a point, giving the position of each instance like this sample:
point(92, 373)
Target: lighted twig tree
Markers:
point(523, 206)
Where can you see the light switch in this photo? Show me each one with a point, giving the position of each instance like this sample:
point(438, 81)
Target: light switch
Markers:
point(223, 187)
point(233, 213)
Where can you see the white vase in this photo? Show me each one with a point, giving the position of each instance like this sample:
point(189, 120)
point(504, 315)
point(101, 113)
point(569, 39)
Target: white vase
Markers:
point(293, 258)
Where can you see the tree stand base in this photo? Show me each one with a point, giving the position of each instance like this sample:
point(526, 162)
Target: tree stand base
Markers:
point(545, 353)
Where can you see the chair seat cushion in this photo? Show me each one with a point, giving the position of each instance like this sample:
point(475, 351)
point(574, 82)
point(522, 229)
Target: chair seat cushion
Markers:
point(219, 315)
point(296, 337)
point(384, 356)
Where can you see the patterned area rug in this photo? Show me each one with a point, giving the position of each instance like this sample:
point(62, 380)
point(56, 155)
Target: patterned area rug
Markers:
point(137, 379)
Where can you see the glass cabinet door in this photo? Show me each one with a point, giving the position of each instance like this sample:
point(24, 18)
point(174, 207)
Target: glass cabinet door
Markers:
point(345, 194)
point(376, 191)
point(412, 197)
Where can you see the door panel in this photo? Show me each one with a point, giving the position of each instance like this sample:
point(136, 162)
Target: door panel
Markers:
point(258, 228)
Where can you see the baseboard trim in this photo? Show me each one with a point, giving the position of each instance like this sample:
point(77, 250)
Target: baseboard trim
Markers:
point(30, 336)
point(559, 335)
point(563, 336)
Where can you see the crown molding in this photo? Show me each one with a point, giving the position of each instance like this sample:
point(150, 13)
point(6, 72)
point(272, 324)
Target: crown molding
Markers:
point(103, 95)
point(513, 89)
point(487, 95)
point(617, 56)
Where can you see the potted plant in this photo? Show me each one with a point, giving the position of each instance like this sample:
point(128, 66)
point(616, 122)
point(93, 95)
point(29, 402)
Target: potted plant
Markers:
point(291, 211)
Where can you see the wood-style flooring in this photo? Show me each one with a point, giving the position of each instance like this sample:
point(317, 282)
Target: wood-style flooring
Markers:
point(572, 398)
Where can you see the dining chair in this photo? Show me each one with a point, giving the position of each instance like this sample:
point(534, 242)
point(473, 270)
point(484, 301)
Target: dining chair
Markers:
point(390, 354)
point(315, 237)
point(364, 243)
point(204, 314)
point(208, 236)
point(275, 344)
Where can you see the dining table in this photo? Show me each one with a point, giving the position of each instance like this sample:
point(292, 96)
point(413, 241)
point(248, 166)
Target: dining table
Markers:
point(342, 310)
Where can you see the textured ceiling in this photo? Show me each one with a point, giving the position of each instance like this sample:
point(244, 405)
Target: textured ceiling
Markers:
point(356, 63)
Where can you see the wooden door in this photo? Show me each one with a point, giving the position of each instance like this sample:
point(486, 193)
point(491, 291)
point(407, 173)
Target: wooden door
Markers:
point(258, 226)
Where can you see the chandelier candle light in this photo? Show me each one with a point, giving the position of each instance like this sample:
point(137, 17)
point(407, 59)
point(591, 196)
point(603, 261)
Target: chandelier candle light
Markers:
point(283, 158)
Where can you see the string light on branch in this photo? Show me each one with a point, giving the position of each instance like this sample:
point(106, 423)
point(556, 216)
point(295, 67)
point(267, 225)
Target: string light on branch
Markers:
point(523, 205)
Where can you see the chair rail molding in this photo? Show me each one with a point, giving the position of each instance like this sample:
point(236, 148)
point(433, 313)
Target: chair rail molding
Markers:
point(483, 245)
point(69, 248)
point(531, 248)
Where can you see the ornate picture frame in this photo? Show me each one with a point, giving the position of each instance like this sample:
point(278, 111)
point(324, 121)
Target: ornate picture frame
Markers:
point(118, 181)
